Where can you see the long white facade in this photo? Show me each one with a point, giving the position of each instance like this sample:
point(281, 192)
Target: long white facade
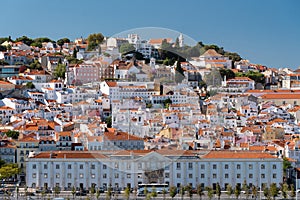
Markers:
point(174, 167)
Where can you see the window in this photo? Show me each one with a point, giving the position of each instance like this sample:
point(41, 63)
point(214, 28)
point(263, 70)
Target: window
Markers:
point(116, 165)
point(81, 175)
point(190, 165)
point(262, 176)
point(92, 166)
point(128, 166)
point(214, 166)
point(178, 175)
point(128, 175)
point(34, 166)
point(226, 175)
point(250, 166)
point(167, 175)
point(178, 165)
point(57, 166)
point(116, 175)
point(226, 166)
point(104, 166)
point(69, 175)
point(202, 176)
point(274, 166)
point(45, 175)
point(238, 166)
point(45, 166)
point(104, 176)
point(69, 166)
point(238, 176)
point(274, 175)
point(262, 166)
point(80, 166)
point(190, 175)
point(202, 166)
point(250, 175)
point(34, 175)
point(214, 175)
point(57, 175)
point(93, 176)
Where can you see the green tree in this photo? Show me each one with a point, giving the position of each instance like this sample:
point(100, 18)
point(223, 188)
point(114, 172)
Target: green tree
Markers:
point(9, 170)
point(35, 65)
point(12, 134)
point(237, 191)
point(30, 85)
point(286, 164)
point(62, 41)
point(60, 71)
point(210, 192)
point(167, 102)
point(108, 122)
point(146, 191)
point(218, 190)
point(74, 55)
point(97, 194)
point(153, 192)
point(245, 188)
point(127, 193)
point(4, 39)
point(94, 40)
point(254, 191)
point(266, 192)
point(227, 72)
point(181, 191)
point(126, 47)
point(189, 190)
point(26, 40)
point(173, 191)
point(93, 190)
point(284, 190)
point(109, 193)
point(273, 190)
point(200, 191)
point(164, 192)
point(292, 191)
point(229, 190)
point(73, 191)
point(56, 190)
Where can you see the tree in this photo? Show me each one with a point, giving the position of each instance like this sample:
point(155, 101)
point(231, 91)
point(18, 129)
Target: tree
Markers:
point(12, 134)
point(93, 190)
point(292, 192)
point(62, 41)
point(73, 191)
point(153, 192)
point(227, 72)
point(97, 194)
point(8, 170)
point(229, 190)
point(94, 40)
point(167, 102)
point(173, 191)
point(266, 192)
point(273, 190)
point(164, 192)
point(109, 193)
point(189, 190)
point(218, 190)
point(56, 190)
point(210, 192)
point(60, 71)
point(286, 164)
point(179, 75)
point(126, 48)
point(254, 191)
point(30, 85)
point(74, 55)
point(26, 40)
point(108, 122)
point(35, 65)
point(245, 188)
point(284, 190)
point(181, 191)
point(200, 191)
point(237, 191)
point(127, 193)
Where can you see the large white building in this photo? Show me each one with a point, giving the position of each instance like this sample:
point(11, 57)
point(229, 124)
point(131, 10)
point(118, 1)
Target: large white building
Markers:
point(130, 168)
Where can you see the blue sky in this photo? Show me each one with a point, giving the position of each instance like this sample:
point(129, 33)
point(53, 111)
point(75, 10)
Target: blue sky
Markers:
point(263, 31)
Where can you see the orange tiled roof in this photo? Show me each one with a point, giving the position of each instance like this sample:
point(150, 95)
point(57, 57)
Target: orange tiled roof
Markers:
point(237, 155)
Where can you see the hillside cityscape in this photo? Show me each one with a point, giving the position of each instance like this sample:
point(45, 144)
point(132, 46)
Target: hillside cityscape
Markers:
point(144, 118)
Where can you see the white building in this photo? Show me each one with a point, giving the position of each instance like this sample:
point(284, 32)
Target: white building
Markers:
point(130, 168)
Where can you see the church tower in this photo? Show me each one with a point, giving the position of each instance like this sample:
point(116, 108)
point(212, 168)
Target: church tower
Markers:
point(181, 40)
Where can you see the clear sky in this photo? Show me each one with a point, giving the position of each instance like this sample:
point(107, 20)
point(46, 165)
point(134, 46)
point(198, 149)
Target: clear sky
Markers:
point(264, 31)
